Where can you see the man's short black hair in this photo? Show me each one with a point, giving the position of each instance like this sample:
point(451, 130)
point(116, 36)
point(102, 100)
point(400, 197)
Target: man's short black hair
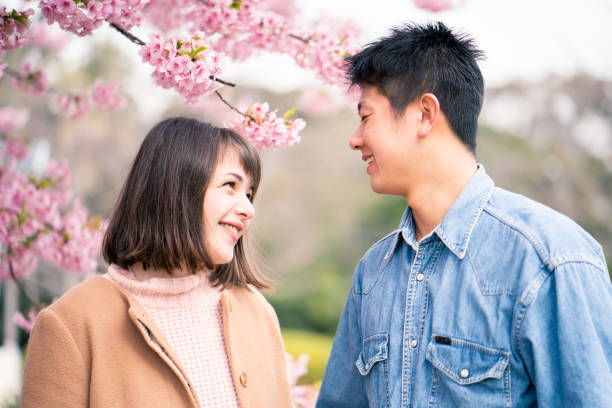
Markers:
point(416, 59)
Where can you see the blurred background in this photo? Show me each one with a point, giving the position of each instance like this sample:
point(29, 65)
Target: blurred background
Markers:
point(545, 132)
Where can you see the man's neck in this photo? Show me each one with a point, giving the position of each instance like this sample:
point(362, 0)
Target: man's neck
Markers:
point(433, 198)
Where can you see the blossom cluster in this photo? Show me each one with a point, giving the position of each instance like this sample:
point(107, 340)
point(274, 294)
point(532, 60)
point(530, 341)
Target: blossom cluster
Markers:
point(13, 27)
point(267, 130)
point(325, 50)
point(302, 396)
point(37, 220)
point(187, 64)
point(104, 95)
point(81, 17)
point(31, 80)
point(241, 28)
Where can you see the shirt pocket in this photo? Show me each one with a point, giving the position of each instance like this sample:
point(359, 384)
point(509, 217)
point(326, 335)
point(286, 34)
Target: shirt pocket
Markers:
point(372, 365)
point(467, 373)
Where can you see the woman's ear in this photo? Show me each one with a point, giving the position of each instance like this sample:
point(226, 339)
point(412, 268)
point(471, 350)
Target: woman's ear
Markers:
point(428, 108)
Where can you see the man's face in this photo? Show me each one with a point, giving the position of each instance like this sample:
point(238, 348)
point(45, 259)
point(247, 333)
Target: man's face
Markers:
point(388, 142)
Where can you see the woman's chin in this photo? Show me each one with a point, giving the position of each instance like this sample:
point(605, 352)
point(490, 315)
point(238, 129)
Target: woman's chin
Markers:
point(223, 259)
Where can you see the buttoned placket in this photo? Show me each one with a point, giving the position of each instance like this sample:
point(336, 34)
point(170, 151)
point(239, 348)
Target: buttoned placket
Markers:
point(425, 256)
point(137, 315)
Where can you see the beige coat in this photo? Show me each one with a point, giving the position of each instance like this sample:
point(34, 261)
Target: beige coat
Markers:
point(96, 347)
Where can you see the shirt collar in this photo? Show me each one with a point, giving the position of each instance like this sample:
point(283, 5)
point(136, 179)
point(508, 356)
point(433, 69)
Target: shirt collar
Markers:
point(456, 227)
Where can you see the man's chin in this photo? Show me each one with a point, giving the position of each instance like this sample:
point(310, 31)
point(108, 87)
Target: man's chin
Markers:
point(381, 188)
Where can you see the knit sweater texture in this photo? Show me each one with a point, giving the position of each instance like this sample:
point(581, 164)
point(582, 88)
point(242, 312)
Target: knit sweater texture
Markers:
point(187, 310)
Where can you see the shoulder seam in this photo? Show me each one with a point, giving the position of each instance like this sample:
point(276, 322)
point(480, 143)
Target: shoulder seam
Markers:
point(535, 243)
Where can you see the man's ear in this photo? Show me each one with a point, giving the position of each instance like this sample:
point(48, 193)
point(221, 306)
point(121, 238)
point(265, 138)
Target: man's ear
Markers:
point(428, 108)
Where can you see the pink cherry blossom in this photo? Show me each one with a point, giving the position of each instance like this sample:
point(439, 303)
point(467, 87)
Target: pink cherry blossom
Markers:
point(37, 220)
point(73, 106)
point(13, 27)
point(435, 5)
point(26, 323)
point(303, 396)
point(34, 81)
point(12, 119)
point(187, 64)
point(266, 130)
point(244, 28)
point(105, 95)
point(102, 95)
point(82, 18)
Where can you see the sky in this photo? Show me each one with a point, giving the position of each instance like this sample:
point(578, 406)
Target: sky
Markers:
point(523, 39)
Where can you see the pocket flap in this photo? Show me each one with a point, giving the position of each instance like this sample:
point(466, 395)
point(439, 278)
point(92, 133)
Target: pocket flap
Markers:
point(466, 362)
point(374, 350)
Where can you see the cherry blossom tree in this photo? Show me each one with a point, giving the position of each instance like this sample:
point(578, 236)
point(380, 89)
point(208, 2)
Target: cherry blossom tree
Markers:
point(189, 44)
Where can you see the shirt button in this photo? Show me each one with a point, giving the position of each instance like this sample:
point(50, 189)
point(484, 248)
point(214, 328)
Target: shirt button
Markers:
point(243, 379)
point(420, 277)
point(413, 343)
point(464, 373)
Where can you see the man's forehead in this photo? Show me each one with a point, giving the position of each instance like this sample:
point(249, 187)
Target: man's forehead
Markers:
point(369, 95)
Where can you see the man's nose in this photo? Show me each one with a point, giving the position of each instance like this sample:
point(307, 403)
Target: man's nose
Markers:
point(356, 142)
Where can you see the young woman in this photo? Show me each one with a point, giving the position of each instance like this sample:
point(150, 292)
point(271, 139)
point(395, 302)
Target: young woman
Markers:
point(176, 321)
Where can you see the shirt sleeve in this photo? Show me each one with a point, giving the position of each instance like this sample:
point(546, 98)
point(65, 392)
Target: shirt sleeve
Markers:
point(342, 385)
point(566, 338)
point(55, 373)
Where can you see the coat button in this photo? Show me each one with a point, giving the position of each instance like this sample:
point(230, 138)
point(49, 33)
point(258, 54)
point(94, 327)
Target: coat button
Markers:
point(464, 373)
point(243, 379)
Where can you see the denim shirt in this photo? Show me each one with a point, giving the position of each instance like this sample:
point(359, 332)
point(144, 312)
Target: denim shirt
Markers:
point(506, 303)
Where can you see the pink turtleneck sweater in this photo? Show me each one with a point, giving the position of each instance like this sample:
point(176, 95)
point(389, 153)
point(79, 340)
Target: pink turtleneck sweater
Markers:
point(187, 310)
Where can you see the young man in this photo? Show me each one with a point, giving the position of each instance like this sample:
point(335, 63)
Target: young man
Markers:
point(481, 298)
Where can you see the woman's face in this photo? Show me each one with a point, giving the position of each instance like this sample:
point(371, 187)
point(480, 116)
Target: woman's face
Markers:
point(227, 208)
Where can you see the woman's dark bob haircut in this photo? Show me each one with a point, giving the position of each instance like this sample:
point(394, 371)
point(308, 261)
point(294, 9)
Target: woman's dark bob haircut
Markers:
point(158, 218)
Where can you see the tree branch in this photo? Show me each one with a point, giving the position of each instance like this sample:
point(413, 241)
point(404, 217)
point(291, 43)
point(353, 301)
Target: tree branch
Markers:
point(297, 37)
point(20, 286)
point(127, 34)
point(232, 107)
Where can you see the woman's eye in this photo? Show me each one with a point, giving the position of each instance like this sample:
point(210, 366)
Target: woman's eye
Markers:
point(364, 117)
point(230, 184)
point(250, 196)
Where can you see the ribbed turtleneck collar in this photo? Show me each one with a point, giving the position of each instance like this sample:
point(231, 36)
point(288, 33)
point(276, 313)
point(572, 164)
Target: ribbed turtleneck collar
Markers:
point(165, 293)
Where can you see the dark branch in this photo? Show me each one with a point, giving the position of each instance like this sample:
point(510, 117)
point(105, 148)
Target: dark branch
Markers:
point(222, 81)
point(20, 286)
point(129, 35)
point(232, 107)
point(297, 37)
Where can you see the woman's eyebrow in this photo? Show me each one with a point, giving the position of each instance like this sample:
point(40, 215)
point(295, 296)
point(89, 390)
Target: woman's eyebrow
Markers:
point(238, 176)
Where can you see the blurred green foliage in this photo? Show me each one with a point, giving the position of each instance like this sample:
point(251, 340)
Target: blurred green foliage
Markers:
point(312, 297)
